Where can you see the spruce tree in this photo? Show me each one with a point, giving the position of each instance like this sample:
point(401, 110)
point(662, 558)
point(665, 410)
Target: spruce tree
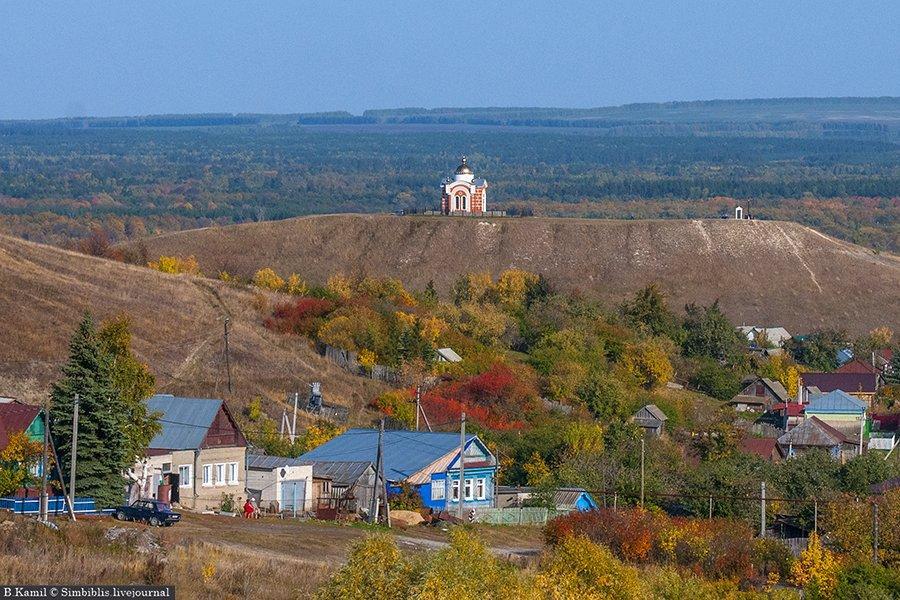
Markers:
point(102, 447)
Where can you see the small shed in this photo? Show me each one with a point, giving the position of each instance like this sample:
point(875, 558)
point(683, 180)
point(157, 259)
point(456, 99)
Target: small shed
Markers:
point(447, 355)
point(569, 499)
point(279, 483)
point(344, 486)
point(651, 419)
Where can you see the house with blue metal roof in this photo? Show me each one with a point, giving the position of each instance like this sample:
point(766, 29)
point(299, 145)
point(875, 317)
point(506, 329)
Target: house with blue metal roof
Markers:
point(840, 410)
point(198, 455)
point(427, 461)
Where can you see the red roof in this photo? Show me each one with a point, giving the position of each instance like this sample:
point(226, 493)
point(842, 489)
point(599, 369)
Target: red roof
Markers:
point(762, 447)
point(15, 418)
point(793, 409)
point(887, 421)
point(856, 366)
point(848, 382)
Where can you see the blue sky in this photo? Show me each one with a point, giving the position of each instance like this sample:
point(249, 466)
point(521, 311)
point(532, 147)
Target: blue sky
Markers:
point(125, 58)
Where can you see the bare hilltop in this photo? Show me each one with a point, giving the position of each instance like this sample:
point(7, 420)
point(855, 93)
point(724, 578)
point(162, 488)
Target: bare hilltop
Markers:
point(763, 272)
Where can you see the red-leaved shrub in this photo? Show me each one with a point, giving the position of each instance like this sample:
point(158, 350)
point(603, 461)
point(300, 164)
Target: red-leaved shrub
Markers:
point(300, 317)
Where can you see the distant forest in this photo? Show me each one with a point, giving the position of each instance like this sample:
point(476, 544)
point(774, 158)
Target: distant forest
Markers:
point(833, 164)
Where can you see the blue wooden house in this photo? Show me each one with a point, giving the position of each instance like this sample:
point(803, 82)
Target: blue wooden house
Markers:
point(427, 461)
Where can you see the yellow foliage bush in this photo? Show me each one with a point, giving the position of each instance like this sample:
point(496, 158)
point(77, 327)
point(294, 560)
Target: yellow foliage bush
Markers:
point(578, 568)
point(367, 359)
point(374, 569)
point(295, 285)
point(512, 286)
point(176, 265)
point(468, 570)
point(339, 285)
point(405, 319)
point(648, 363)
point(268, 279)
point(431, 328)
point(317, 434)
point(815, 570)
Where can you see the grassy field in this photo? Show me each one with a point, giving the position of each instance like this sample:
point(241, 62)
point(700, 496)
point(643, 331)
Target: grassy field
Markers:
point(209, 556)
point(177, 326)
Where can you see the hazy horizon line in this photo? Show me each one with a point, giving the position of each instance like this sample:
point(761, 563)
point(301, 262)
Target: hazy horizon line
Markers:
point(440, 108)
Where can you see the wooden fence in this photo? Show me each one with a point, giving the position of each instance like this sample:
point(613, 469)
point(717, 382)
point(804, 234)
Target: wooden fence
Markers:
point(349, 361)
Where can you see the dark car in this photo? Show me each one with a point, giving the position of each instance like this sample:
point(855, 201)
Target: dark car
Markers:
point(152, 512)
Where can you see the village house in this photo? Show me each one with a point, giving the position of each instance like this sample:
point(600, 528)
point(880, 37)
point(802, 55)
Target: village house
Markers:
point(763, 336)
point(651, 419)
point(15, 418)
point(463, 194)
point(759, 394)
point(857, 365)
point(787, 415)
point(863, 386)
point(813, 433)
point(429, 462)
point(765, 448)
point(280, 484)
point(879, 363)
point(841, 411)
point(197, 458)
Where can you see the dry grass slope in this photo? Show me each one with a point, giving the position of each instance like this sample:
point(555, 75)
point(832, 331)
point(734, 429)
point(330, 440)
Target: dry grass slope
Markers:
point(766, 272)
point(177, 326)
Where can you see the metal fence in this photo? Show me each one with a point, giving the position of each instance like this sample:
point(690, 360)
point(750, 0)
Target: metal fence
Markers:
point(525, 515)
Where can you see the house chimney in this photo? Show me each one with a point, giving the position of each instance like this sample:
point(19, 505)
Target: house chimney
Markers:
point(799, 390)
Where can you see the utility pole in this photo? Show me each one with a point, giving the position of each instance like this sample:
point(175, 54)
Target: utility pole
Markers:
point(710, 507)
point(376, 493)
point(74, 458)
point(762, 510)
point(642, 471)
point(45, 464)
point(227, 357)
point(875, 532)
point(418, 404)
point(815, 515)
point(462, 466)
point(70, 500)
point(294, 420)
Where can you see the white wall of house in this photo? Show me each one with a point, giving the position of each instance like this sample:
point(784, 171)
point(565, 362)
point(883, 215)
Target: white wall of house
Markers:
point(276, 485)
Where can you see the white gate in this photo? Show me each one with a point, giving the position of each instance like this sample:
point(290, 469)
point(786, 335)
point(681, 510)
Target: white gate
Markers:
point(293, 496)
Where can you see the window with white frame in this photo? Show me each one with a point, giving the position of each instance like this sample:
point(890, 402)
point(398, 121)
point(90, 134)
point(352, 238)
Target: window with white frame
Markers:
point(437, 489)
point(231, 473)
point(184, 476)
point(207, 474)
point(220, 474)
point(480, 488)
point(468, 489)
point(454, 490)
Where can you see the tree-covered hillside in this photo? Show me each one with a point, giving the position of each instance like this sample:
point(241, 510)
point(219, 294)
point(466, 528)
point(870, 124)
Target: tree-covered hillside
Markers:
point(828, 163)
